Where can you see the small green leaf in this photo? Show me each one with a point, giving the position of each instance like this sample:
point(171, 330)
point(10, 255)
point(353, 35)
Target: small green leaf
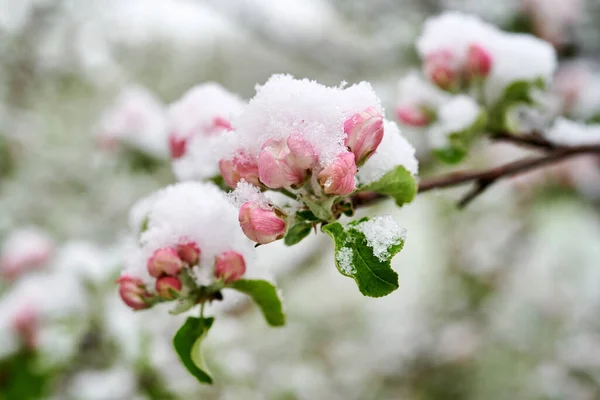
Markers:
point(265, 296)
point(306, 215)
point(355, 259)
point(518, 92)
point(397, 183)
point(187, 344)
point(297, 232)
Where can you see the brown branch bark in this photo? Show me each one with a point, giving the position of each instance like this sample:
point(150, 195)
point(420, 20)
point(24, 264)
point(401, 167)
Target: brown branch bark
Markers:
point(484, 179)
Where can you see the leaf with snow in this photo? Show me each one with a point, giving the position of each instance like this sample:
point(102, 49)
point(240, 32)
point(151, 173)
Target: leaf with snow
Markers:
point(265, 296)
point(363, 252)
point(397, 183)
point(187, 342)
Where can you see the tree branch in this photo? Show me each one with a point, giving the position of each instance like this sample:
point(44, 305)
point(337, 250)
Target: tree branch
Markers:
point(484, 179)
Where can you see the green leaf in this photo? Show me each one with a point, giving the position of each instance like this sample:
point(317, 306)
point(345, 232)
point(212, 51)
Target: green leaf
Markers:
point(297, 232)
point(187, 344)
point(518, 92)
point(397, 183)
point(265, 296)
point(355, 258)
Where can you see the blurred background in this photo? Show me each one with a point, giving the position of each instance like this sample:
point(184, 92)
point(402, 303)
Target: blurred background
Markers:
point(499, 301)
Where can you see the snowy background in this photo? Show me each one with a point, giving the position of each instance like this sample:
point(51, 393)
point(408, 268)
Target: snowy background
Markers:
point(499, 301)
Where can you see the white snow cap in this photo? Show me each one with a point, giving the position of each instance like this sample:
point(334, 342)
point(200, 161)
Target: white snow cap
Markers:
point(456, 115)
point(393, 150)
point(23, 249)
point(284, 105)
point(200, 117)
point(184, 212)
point(572, 133)
point(244, 192)
point(514, 56)
point(413, 89)
point(136, 119)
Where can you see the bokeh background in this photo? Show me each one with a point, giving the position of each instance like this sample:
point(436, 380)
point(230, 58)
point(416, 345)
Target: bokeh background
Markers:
point(498, 301)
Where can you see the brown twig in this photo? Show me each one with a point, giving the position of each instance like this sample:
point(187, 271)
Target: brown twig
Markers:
point(486, 178)
point(534, 140)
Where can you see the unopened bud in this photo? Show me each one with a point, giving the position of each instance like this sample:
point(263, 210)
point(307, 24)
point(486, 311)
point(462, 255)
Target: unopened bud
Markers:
point(230, 266)
point(413, 116)
point(440, 68)
point(189, 252)
point(364, 132)
point(133, 292)
point(479, 61)
point(164, 261)
point(338, 178)
point(168, 287)
point(279, 166)
point(259, 224)
point(242, 166)
point(177, 146)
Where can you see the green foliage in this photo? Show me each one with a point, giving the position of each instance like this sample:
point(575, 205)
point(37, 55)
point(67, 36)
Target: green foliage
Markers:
point(265, 296)
point(355, 259)
point(517, 93)
point(20, 377)
point(297, 232)
point(187, 344)
point(397, 183)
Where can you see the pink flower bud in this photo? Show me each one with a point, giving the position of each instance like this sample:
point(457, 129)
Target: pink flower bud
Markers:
point(241, 167)
point(339, 177)
point(177, 145)
point(221, 123)
point(364, 132)
point(230, 266)
point(26, 325)
point(441, 69)
point(164, 261)
point(259, 224)
point(413, 116)
point(479, 61)
point(281, 166)
point(134, 293)
point(303, 152)
point(168, 287)
point(189, 252)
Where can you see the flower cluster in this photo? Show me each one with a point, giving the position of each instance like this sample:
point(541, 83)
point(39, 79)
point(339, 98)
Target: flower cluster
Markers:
point(307, 140)
point(196, 122)
point(459, 51)
point(190, 247)
point(136, 120)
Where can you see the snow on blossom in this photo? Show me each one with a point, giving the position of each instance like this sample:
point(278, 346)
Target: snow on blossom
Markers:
point(394, 150)
point(577, 86)
point(44, 299)
point(196, 122)
point(553, 18)
point(285, 106)
point(188, 212)
point(447, 42)
point(413, 89)
point(25, 249)
point(573, 133)
point(136, 119)
point(458, 114)
point(244, 192)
